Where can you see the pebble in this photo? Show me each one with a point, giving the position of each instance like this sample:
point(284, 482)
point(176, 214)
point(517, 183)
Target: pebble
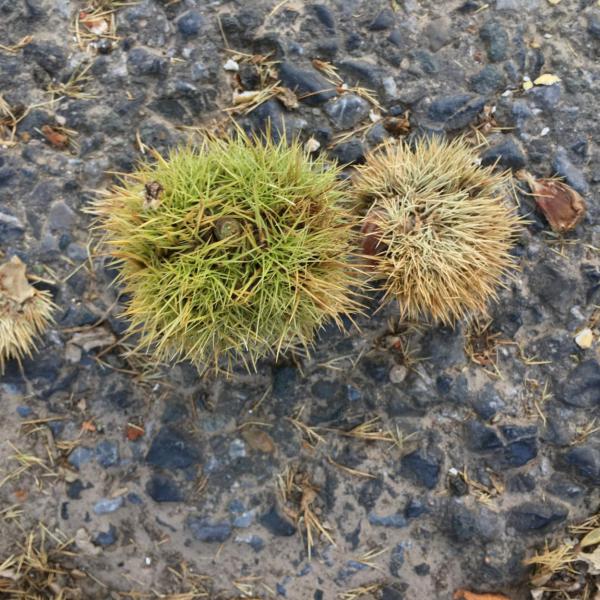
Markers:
point(309, 85)
point(496, 40)
point(163, 488)
point(74, 489)
point(584, 462)
point(254, 541)
point(351, 152)
point(190, 23)
point(520, 452)
point(80, 456)
point(585, 338)
point(423, 469)
point(172, 449)
point(536, 517)
point(396, 521)
point(60, 216)
point(384, 19)
point(108, 505)
point(208, 531)
point(107, 453)
point(325, 16)
point(506, 154)
point(482, 438)
point(396, 560)
point(582, 387)
point(594, 26)
point(245, 519)
point(398, 373)
point(347, 110)
point(563, 167)
point(231, 65)
point(455, 112)
point(141, 62)
point(106, 538)
point(488, 81)
point(277, 524)
point(24, 411)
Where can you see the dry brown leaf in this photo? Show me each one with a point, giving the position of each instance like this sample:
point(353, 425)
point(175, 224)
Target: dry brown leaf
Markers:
point(591, 538)
point(562, 206)
point(152, 193)
point(465, 595)
point(133, 432)
point(88, 426)
point(13, 281)
point(287, 97)
point(259, 440)
point(397, 125)
point(55, 138)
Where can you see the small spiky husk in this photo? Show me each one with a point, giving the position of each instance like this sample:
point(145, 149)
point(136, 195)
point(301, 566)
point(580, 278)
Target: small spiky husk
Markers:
point(22, 321)
point(439, 226)
point(234, 249)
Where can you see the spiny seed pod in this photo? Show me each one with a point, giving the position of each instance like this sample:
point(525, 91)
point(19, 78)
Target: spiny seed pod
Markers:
point(233, 249)
point(438, 228)
point(25, 312)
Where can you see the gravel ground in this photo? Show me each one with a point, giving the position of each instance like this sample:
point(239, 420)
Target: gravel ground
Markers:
point(475, 462)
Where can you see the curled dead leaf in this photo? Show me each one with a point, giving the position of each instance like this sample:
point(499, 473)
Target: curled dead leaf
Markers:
point(562, 206)
point(397, 125)
point(466, 595)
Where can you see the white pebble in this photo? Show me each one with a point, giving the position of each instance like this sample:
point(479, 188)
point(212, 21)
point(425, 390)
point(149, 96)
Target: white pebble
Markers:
point(231, 65)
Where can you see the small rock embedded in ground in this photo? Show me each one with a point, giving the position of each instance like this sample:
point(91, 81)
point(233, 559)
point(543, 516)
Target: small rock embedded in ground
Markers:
point(108, 505)
point(207, 531)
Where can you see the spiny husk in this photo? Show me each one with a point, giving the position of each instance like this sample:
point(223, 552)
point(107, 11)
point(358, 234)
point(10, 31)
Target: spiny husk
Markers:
point(232, 249)
point(25, 312)
point(438, 228)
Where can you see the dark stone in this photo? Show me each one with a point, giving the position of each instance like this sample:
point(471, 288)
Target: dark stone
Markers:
point(163, 488)
point(519, 453)
point(582, 387)
point(347, 110)
point(170, 108)
point(482, 438)
point(361, 73)
point(277, 524)
point(6, 175)
point(564, 488)
point(421, 468)
point(487, 402)
point(106, 538)
point(468, 7)
point(535, 517)
point(107, 453)
point(396, 521)
point(506, 154)
point(391, 592)
point(141, 62)
point(369, 493)
point(384, 20)
point(426, 60)
point(171, 449)
point(515, 432)
point(567, 170)
point(80, 456)
point(190, 23)
point(351, 152)
point(594, 26)
point(457, 485)
point(422, 570)
point(49, 56)
point(324, 14)
point(546, 97)
point(414, 508)
point(74, 489)
point(397, 38)
point(206, 531)
point(268, 118)
point(455, 112)
point(584, 462)
point(311, 87)
point(460, 523)
point(553, 287)
point(396, 560)
point(496, 40)
point(376, 368)
point(488, 81)
point(285, 381)
point(521, 483)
